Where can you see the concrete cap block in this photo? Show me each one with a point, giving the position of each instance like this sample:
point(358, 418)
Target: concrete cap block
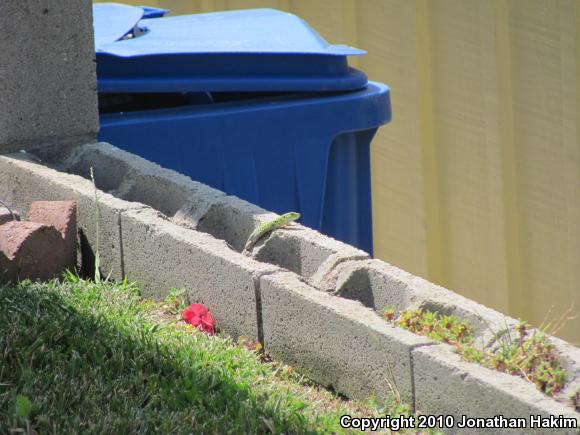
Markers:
point(48, 92)
point(161, 255)
point(335, 341)
point(307, 253)
point(444, 384)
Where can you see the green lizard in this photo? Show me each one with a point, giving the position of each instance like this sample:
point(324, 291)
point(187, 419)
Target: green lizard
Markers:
point(268, 227)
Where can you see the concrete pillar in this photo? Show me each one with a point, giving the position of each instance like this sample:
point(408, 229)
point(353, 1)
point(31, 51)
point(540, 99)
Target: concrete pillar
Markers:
point(47, 74)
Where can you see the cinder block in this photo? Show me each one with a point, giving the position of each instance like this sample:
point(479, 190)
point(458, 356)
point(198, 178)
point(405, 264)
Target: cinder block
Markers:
point(161, 255)
point(133, 178)
point(47, 79)
point(110, 169)
point(569, 356)
point(30, 250)
point(307, 253)
point(335, 341)
point(233, 220)
point(195, 205)
point(23, 182)
point(446, 385)
point(378, 285)
point(62, 215)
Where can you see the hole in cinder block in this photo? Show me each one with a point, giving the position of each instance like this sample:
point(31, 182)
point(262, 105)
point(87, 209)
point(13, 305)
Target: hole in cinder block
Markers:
point(373, 289)
point(109, 173)
point(233, 220)
point(159, 193)
point(284, 252)
point(379, 289)
point(358, 288)
point(228, 223)
point(477, 323)
point(436, 307)
point(298, 249)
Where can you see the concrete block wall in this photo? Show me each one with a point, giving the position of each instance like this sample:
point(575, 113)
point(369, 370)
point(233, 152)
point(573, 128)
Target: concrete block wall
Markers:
point(197, 206)
point(312, 301)
point(335, 341)
point(444, 384)
point(23, 182)
point(47, 75)
point(161, 255)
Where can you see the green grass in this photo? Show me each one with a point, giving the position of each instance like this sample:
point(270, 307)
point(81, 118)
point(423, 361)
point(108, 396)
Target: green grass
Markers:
point(529, 355)
point(85, 357)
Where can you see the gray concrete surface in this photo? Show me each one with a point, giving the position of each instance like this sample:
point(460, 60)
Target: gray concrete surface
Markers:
point(305, 252)
point(446, 385)
point(378, 285)
point(161, 255)
point(195, 205)
point(233, 220)
point(335, 341)
point(47, 74)
point(133, 178)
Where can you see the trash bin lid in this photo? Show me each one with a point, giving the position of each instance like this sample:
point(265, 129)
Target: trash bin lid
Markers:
point(250, 50)
point(112, 21)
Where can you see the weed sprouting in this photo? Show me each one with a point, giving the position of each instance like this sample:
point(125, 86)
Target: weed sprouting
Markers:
point(176, 300)
point(530, 355)
point(98, 219)
point(439, 327)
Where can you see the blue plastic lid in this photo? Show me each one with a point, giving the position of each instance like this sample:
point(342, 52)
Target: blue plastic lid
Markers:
point(250, 50)
point(112, 21)
point(149, 12)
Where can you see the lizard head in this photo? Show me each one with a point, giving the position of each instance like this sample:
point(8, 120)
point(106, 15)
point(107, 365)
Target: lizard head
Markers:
point(293, 215)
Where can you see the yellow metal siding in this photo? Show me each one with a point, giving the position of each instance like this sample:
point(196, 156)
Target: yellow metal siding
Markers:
point(476, 181)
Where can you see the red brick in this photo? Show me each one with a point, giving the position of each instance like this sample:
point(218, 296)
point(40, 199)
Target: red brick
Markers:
point(30, 250)
point(63, 216)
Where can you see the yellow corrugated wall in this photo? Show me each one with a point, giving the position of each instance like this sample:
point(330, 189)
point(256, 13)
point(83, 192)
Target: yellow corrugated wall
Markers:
point(476, 181)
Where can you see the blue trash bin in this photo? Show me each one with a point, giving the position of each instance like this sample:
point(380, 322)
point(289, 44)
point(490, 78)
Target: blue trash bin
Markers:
point(289, 130)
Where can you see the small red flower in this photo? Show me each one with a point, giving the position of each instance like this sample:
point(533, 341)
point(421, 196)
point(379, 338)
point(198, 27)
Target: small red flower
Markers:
point(198, 316)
